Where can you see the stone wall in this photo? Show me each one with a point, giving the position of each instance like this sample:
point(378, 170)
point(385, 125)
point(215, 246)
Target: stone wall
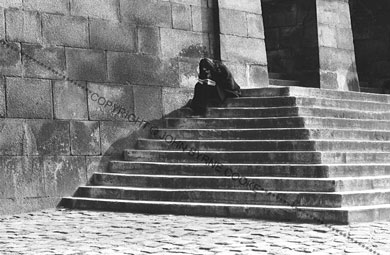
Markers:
point(291, 39)
point(371, 33)
point(336, 48)
point(64, 61)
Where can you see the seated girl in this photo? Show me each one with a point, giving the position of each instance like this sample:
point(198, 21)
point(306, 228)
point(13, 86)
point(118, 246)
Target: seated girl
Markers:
point(215, 84)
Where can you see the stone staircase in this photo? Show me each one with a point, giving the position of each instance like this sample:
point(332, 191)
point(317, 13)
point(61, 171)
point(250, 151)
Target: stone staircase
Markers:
point(316, 155)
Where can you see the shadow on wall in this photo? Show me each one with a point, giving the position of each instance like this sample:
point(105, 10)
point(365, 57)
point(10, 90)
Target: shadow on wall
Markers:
point(351, 79)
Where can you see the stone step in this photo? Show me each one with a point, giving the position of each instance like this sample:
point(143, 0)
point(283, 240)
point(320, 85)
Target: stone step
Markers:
point(248, 157)
point(279, 198)
point(275, 213)
point(308, 102)
point(253, 170)
point(247, 183)
point(314, 92)
point(253, 112)
point(271, 134)
point(277, 122)
point(264, 145)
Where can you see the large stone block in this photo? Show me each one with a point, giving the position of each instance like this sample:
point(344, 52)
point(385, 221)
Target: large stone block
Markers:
point(86, 65)
point(23, 26)
point(2, 97)
point(34, 137)
point(10, 59)
point(252, 6)
point(98, 9)
point(258, 76)
point(29, 98)
point(117, 136)
point(334, 13)
point(255, 26)
point(188, 70)
point(43, 62)
point(49, 137)
point(70, 100)
point(65, 30)
point(241, 49)
point(63, 175)
point(148, 102)
point(345, 39)
point(85, 138)
point(11, 3)
point(112, 36)
point(8, 166)
point(142, 69)
point(240, 73)
point(190, 44)
point(110, 102)
point(233, 22)
point(52, 6)
point(181, 16)
point(149, 40)
point(175, 98)
point(146, 12)
point(327, 36)
point(202, 19)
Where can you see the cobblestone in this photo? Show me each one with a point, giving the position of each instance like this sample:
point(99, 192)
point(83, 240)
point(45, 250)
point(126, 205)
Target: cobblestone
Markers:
point(92, 233)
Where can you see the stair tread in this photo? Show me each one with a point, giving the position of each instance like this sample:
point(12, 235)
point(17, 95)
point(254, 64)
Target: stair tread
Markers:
point(254, 164)
point(347, 208)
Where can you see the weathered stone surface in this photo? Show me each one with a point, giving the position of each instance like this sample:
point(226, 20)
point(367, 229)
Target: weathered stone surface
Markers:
point(255, 26)
point(97, 164)
point(190, 44)
point(327, 36)
point(110, 102)
point(65, 30)
point(253, 6)
point(10, 59)
point(23, 26)
point(149, 40)
point(202, 3)
point(146, 12)
point(2, 24)
point(8, 166)
point(2, 97)
point(148, 102)
point(98, 9)
point(202, 19)
point(34, 137)
point(181, 16)
point(11, 3)
point(334, 13)
point(85, 138)
point(29, 98)
point(63, 175)
point(239, 71)
point(70, 100)
point(242, 49)
point(51, 61)
point(174, 98)
point(233, 22)
point(117, 136)
point(141, 69)
point(188, 70)
point(258, 76)
point(345, 39)
point(52, 6)
point(112, 36)
point(49, 137)
point(86, 65)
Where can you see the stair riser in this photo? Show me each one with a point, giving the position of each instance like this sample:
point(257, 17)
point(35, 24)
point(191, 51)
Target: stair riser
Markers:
point(279, 123)
point(265, 146)
point(285, 134)
point(308, 102)
point(259, 171)
point(355, 158)
point(284, 112)
point(253, 198)
point(238, 157)
point(239, 183)
point(274, 214)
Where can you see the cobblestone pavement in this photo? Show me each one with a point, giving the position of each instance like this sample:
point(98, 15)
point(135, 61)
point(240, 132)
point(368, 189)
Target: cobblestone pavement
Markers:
point(85, 232)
